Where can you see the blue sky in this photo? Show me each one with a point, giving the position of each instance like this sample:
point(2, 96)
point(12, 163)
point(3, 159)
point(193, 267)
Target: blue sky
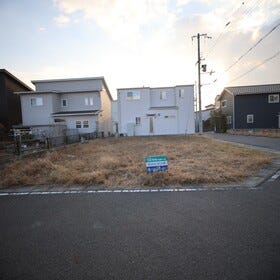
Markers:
point(139, 42)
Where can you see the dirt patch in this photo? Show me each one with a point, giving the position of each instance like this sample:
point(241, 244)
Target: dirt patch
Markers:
point(116, 162)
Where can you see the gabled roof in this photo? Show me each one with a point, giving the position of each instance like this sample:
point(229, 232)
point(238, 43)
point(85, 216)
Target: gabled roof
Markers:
point(15, 79)
point(255, 89)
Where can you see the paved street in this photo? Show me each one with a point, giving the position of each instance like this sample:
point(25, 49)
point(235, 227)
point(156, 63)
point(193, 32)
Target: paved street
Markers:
point(263, 142)
point(232, 234)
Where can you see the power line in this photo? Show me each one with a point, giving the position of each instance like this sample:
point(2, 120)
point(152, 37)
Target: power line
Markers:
point(223, 31)
point(250, 49)
point(256, 66)
point(248, 11)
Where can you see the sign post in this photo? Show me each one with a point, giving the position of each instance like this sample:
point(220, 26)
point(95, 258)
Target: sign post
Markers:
point(156, 163)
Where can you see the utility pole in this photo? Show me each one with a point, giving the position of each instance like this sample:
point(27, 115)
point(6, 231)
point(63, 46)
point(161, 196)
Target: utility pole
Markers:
point(199, 82)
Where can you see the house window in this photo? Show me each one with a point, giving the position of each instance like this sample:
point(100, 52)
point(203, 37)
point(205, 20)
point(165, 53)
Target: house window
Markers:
point(273, 98)
point(229, 120)
point(224, 103)
point(85, 124)
point(181, 93)
point(37, 101)
point(138, 120)
point(163, 95)
point(132, 95)
point(64, 102)
point(250, 118)
point(78, 124)
point(91, 101)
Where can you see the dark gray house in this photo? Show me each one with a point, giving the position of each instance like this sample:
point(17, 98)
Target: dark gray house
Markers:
point(248, 107)
point(10, 108)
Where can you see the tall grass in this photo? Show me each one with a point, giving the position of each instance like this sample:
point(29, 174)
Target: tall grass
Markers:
point(120, 162)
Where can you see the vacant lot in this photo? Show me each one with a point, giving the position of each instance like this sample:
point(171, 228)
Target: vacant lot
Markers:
point(120, 162)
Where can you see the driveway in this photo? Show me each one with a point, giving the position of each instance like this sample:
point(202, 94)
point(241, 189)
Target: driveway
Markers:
point(263, 142)
point(208, 234)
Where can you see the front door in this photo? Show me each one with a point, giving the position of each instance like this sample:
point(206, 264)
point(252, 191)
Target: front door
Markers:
point(151, 125)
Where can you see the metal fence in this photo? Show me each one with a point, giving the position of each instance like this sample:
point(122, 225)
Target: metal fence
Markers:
point(21, 145)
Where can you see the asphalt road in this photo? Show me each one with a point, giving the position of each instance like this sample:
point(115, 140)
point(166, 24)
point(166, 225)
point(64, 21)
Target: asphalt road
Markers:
point(232, 234)
point(263, 142)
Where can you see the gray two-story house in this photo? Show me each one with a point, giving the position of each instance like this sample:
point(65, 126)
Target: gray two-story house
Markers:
point(80, 104)
point(249, 107)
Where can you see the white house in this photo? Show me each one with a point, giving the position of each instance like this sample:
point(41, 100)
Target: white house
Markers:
point(115, 122)
point(205, 115)
point(156, 111)
point(81, 104)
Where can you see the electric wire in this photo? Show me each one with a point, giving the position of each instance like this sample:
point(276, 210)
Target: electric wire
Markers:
point(231, 21)
point(223, 31)
point(251, 48)
point(255, 67)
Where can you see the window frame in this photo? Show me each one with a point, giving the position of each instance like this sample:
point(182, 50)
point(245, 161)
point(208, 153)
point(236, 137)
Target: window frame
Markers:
point(181, 93)
point(85, 124)
point(132, 95)
point(86, 101)
point(229, 119)
point(225, 102)
point(91, 101)
point(66, 102)
point(137, 120)
point(36, 104)
point(275, 98)
point(248, 118)
point(163, 95)
point(78, 125)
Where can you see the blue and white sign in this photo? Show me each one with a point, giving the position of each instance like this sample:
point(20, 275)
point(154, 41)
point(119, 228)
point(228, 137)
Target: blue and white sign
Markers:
point(156, 163)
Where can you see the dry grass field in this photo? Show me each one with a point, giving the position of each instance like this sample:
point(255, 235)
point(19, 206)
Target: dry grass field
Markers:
point(119, 162)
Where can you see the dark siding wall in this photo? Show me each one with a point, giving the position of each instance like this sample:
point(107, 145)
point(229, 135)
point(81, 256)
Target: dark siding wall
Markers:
point(265, 114)
point(4, 119)
point(228, 110)
point(10, 108)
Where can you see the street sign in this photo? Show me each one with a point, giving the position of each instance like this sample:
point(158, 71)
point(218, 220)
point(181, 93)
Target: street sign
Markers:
point(156, 163)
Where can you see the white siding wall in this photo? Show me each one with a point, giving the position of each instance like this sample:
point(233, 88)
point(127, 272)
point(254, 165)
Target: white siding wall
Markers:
point(186, 115)
point(115, 117)
point(37, 115)
point(105, 118)
point(157, 102)
point(179, 119)
point(164, 122)
point(76, 101)
point(56, 103)
point(71, 123)
point(128, 110)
